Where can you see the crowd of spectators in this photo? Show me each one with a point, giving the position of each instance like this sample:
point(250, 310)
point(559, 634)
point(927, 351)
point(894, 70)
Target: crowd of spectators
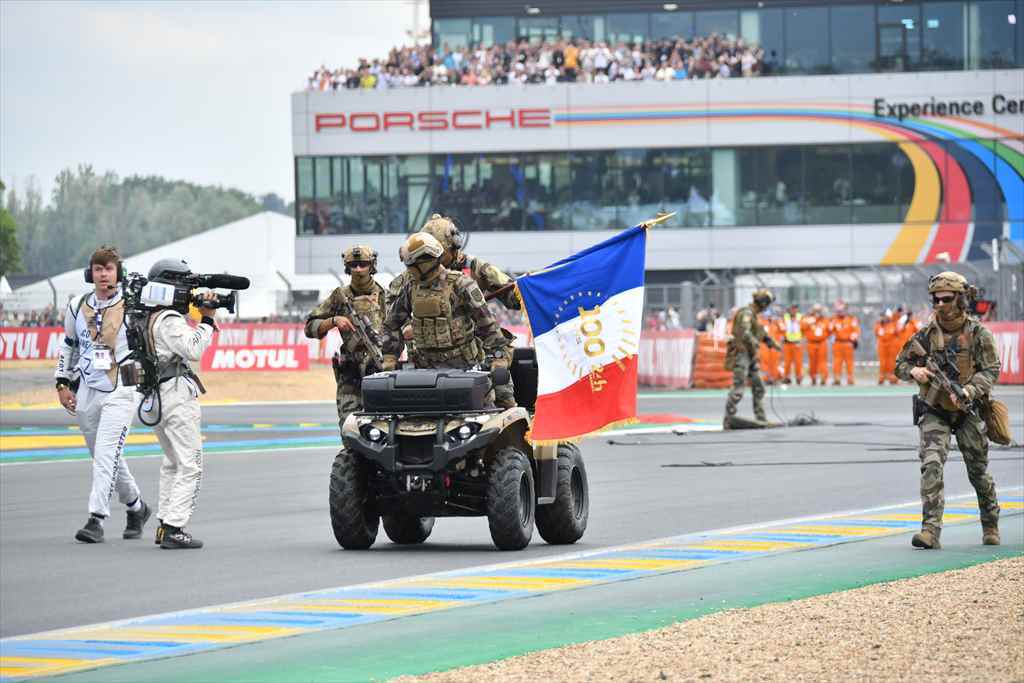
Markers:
point(669, 59)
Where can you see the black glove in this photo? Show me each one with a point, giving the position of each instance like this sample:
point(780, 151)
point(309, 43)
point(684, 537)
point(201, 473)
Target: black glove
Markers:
point(856, 343)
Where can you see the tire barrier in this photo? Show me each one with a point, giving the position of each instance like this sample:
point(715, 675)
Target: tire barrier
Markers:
point(709, 363)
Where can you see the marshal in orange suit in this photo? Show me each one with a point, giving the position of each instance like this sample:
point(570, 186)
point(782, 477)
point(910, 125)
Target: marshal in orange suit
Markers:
point(845, 330)
point(816, 332)
point(887, 341)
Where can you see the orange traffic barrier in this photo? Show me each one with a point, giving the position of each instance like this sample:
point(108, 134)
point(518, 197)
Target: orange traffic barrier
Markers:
point(709, 363)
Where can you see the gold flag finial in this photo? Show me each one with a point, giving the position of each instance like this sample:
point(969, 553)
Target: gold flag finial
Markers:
point(659, 217)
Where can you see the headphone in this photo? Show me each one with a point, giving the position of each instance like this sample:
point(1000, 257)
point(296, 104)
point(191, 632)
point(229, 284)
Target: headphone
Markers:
point(120, 272)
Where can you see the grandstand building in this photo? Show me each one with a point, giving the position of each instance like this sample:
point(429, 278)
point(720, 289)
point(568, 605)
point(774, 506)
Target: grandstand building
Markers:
point(879, 133)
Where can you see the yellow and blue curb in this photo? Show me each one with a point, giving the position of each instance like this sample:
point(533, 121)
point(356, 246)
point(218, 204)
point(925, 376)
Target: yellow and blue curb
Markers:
point(180, 633)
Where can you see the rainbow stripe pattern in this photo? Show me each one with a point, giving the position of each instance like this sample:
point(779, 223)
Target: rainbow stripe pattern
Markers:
point(180, 633)
point(963, 173)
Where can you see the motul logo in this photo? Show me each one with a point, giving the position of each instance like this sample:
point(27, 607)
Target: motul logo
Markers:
point(255, 359)
point(463, 119)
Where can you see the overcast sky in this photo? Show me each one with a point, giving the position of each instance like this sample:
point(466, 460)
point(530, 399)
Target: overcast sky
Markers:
point(196, 91)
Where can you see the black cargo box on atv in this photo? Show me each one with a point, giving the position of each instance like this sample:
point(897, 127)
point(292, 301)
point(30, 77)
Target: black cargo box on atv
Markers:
point(425, 391)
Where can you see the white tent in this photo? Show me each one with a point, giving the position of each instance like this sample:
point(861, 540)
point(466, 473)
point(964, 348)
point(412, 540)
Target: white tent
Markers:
point(260, 247)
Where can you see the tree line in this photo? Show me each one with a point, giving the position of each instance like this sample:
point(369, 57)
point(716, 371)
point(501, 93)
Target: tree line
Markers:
point(134, 214)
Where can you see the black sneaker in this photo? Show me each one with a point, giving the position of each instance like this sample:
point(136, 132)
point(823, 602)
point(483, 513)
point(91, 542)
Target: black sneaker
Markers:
point(137, 520)
point(92, 532)
point(175, 538)
point(159, 532)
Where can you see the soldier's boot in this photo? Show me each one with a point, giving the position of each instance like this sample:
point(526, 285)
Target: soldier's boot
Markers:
point(927, 538)
point(990, 534)
point(760, 415)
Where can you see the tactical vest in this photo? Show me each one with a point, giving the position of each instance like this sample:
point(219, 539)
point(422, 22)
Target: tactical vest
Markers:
point(112, 318)
point(368, 304)
point(963, 340)
point(435, 327)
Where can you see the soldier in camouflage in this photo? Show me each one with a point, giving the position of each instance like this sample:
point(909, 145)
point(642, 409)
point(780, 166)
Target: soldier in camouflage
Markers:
point(742, 356)
point(976, 359)
point(362, 297)
point(451, 324)
point(487, 276)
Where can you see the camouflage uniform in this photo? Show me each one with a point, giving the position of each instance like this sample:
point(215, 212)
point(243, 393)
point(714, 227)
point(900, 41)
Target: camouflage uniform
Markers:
point(747, 334)
point(350, 365)
point(978, 363)
point(489, 278)
point(452, 326)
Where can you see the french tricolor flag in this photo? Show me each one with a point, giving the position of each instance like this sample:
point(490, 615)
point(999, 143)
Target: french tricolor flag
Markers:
point(585, 315)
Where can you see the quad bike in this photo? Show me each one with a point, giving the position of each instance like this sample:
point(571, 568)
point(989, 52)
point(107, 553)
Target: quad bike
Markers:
point(428, 444)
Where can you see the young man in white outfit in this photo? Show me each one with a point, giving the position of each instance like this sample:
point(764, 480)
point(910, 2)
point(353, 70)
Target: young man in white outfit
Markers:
point(95, 344)
point(175, 407)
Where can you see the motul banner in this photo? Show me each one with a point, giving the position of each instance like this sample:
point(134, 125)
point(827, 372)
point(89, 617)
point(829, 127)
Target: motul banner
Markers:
point(26, 343)
point(1010, 345)
point(255, 358)
point(666, 358)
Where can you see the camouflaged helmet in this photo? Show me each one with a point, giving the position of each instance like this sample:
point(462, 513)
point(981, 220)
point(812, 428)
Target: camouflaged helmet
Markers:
point(445, 230)
point(763, 298)
point(421, 245)
point(947, 281)
point(359, 252)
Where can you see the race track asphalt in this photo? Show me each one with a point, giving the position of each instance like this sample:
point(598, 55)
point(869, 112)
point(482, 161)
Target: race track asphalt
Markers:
point(263, 513)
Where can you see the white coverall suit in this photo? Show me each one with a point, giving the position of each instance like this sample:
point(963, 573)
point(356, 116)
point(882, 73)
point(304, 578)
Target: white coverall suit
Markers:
point(104, 408)
point(179, 428)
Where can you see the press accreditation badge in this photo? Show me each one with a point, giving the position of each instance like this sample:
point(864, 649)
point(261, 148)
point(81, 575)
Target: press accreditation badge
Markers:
point(102, 359)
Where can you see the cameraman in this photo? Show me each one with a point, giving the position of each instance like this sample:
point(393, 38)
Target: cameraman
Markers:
point(95, 344)
point(175, 406)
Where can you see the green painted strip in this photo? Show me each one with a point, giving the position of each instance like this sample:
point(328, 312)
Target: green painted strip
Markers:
point(1008, 154)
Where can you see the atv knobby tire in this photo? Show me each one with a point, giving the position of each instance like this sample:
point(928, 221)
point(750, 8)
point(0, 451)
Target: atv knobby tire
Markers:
point(511, 500)
point(407, 529)
point(355, 525)
point(565, 520)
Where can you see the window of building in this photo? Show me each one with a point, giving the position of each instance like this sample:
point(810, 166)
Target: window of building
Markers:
point(723, 22)
point(750, 195)
point(488, 31)
point(671, 25)
point(584, 27)
point(853, 39)
point(807, 41)
point(992, 34)
point(828, 187)
point(453, 32)
point(764, 27)
point(899, 37)
point(538, 29)
point(875, 191)
point(943, 26)
point(627, 28)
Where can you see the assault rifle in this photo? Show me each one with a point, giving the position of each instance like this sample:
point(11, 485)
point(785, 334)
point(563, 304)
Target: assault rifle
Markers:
point(367, 337)
point(945, 376)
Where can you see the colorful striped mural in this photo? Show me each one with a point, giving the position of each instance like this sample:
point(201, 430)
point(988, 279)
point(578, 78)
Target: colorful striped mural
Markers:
point(965, 171)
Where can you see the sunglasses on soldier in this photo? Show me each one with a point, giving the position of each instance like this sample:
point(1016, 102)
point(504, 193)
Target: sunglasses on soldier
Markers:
point(359, 264)
point(936, 300)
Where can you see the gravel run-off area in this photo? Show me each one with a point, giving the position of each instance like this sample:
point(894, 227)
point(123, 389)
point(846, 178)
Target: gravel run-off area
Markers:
point(962, 625)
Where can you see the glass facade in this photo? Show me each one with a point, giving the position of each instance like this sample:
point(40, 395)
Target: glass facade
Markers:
point(832, 38)
point(611, 189)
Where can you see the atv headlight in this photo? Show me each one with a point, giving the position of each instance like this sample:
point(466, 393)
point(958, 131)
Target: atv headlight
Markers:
point(371, 433)
point(464, 432)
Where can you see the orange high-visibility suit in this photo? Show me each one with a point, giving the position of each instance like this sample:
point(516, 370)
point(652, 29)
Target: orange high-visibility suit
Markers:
point(845, 330)
point(769, 357)
point(793, 347)
point(888, 342)
point(816, 332)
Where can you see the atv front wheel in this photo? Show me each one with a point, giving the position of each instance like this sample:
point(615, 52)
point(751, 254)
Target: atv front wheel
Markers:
point(565, 520)
point(354, 523)
point(511, 500)
point(406, 529)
